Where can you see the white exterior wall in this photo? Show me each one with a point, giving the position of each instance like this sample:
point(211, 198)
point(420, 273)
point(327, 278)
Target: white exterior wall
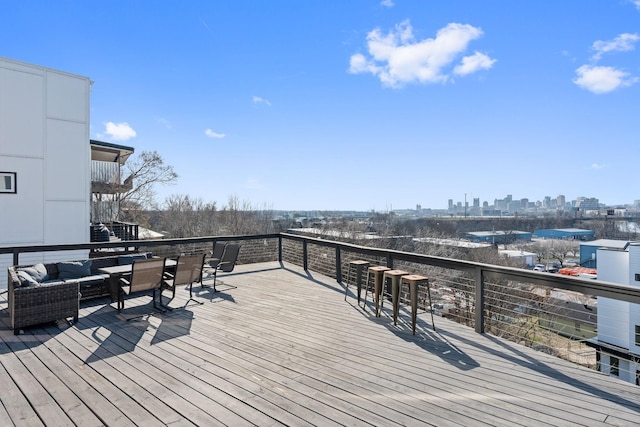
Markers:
point(44, 139)
point(613, 315)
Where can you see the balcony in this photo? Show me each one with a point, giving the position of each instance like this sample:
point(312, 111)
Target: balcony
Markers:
point(278, 345)
point(106, 179)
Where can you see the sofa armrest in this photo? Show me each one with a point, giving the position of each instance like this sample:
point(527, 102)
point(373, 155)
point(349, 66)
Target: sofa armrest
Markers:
point(45, 302)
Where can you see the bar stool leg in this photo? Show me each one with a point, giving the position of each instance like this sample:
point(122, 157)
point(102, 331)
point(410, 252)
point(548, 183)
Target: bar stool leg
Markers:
point(395, 298)
point(366, 290)
point(413, 291)
point(377, 291)
point(359, 280)
point(346, 283)
point(433, 325)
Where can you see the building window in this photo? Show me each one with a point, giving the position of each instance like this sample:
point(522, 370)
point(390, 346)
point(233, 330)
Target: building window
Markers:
point(638, 377)
point(614, 366)
point(7, 182)
point(638, 335)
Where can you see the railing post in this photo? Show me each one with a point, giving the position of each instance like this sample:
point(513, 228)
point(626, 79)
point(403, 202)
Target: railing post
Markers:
point(389, 261)
point(305, 261)
point(279, 248)
point(479, 313)
point(338, 265)
point(16, 256)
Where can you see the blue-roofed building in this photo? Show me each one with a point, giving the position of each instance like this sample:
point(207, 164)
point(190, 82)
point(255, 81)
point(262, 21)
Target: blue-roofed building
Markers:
point(498, 237)
point(565, 234)
point(589, 250)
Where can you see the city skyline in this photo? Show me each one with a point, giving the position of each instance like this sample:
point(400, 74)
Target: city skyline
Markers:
point(366, 105)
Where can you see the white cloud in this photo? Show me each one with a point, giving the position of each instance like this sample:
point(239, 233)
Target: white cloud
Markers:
point(212, 134)
point(119, 131)
point(598, 79)
point(397, 58)
point(596, 166)
point(623, 43)
point(471, 64)
point(389, 3)
point(259, 100)
point(636, 2)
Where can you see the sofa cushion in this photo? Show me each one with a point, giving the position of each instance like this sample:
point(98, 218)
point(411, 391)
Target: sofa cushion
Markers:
point(37, 273)
point(74, 269)
point(26, 279)
point(128, 259)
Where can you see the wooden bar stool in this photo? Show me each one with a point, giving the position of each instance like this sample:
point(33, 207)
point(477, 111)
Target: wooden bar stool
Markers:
point(359, 267)
point(413, 280)
point(394, 276)
point(377, 272)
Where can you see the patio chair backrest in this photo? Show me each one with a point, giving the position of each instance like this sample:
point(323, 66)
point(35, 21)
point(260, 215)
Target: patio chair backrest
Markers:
point(218, 250)
point(146, 274)
point(188, 269)
point(229, 257)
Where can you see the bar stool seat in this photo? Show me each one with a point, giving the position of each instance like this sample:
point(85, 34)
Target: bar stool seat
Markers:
point(359, 266)
point(413, 280)
point(394, 276)
point(377, 272)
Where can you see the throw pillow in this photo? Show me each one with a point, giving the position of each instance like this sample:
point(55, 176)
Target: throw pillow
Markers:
point(37, 272)
point(26, 279)
point(74, 269)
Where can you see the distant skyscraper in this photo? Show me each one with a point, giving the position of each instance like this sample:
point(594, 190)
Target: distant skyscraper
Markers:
point(561, 201)
point(476, 202)
point(587, 203)
point(450, 204)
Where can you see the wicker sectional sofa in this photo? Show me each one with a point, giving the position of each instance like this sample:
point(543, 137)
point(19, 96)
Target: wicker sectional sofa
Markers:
point(48, 292)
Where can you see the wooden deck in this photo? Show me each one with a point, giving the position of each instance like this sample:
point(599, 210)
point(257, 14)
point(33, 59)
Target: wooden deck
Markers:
point(279, 347)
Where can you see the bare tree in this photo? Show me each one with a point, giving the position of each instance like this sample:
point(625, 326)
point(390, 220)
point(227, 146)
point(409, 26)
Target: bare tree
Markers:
point(540, 249)
point(560, 250)
point(187, 217)
point(146, 170)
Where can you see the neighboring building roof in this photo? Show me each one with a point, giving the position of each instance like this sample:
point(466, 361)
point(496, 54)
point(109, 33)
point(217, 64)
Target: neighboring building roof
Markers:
point(496, 233)
point(607, 243)
point(146, 234)
point(109, 152)
point(573, 230)
point(452, 242)
point(515, 253)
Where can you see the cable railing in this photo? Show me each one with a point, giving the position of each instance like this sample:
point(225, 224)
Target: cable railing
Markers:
point(553, 313)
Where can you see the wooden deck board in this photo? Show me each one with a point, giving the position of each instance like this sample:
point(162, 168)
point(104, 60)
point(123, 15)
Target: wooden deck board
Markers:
point(279, 346)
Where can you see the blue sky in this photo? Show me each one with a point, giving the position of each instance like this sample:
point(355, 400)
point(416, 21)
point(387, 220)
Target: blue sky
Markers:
point(357, 104)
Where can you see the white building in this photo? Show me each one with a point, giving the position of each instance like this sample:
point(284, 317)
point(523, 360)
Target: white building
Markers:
point(618, 340)
point(44, 158)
